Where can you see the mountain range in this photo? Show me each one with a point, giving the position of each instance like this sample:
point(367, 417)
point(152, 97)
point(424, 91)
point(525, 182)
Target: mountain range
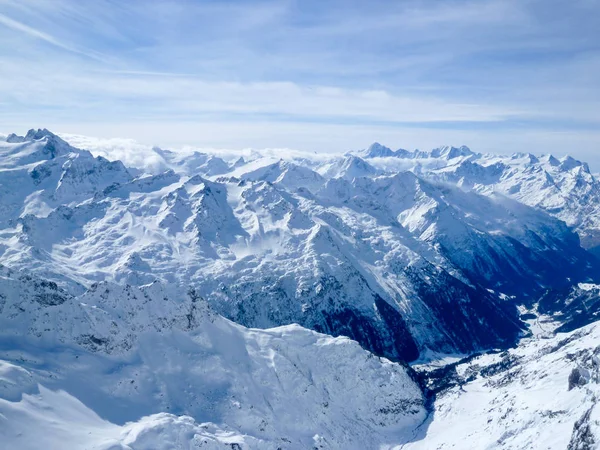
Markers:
point(277, 271)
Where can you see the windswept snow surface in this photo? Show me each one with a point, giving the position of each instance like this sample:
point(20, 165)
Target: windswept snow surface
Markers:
point(123, 367)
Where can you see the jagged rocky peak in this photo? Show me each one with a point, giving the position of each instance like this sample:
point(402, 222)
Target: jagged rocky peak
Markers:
point(13, 138)
point(551, 159)
point(446, 152)
point(40, 133)
point(32, 135)
point(568, 162)
point(376, 150)
point(241, 161)
point(51, 145)
point(450, 152)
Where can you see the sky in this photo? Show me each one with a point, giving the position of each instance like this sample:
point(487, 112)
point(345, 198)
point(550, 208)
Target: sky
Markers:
point(324, 76)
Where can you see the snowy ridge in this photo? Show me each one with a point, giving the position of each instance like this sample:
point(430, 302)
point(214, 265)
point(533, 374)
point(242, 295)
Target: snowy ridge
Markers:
point(446, 152)
point(563, 187)
point(183, 377)
point(188, 378)
point(399, 262)
point(118, 285)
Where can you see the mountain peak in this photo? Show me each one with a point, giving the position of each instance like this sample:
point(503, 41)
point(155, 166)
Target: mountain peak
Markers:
point(450, 152)
point(35, 135)
point(552, 160)
point(568, 162)
point(376, 150)
point(36, 146)
point(32, 135)
point(13, 138)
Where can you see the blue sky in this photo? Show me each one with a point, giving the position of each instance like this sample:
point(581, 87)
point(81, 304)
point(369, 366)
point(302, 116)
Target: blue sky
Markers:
point(314, 75)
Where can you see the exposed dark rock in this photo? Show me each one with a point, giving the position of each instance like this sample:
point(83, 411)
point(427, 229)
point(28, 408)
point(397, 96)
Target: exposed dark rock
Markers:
point(579, 376)
point(583, 437)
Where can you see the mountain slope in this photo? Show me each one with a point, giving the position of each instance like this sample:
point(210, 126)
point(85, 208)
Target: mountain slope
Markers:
point(188, 378)
point(400, 263)
point(564, 188)
point(117, 283)
point(120, 366)
point(541, 395)
point(573, 307)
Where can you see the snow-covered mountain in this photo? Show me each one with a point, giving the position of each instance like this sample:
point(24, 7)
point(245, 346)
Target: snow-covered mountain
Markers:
point(149, 368)
point(541, 395)
point(446, 152)
point(41, 172)
point(563, 187)
point(574, 307)
point(401, 263)
point(125, 367)
point(119, 284)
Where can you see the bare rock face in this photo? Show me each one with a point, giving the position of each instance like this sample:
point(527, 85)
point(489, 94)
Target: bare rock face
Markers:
point(583, 437)
point(578, 377)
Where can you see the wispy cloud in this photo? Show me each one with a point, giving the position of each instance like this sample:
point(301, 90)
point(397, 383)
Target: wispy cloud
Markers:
point(37, 34)
point(507, 69)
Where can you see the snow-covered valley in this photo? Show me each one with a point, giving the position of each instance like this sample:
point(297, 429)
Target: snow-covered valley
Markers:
point(193, 302)
point(542, 394)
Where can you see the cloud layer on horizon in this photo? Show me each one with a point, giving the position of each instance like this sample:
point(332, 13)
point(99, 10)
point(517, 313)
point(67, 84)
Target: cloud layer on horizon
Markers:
point(503, 74)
